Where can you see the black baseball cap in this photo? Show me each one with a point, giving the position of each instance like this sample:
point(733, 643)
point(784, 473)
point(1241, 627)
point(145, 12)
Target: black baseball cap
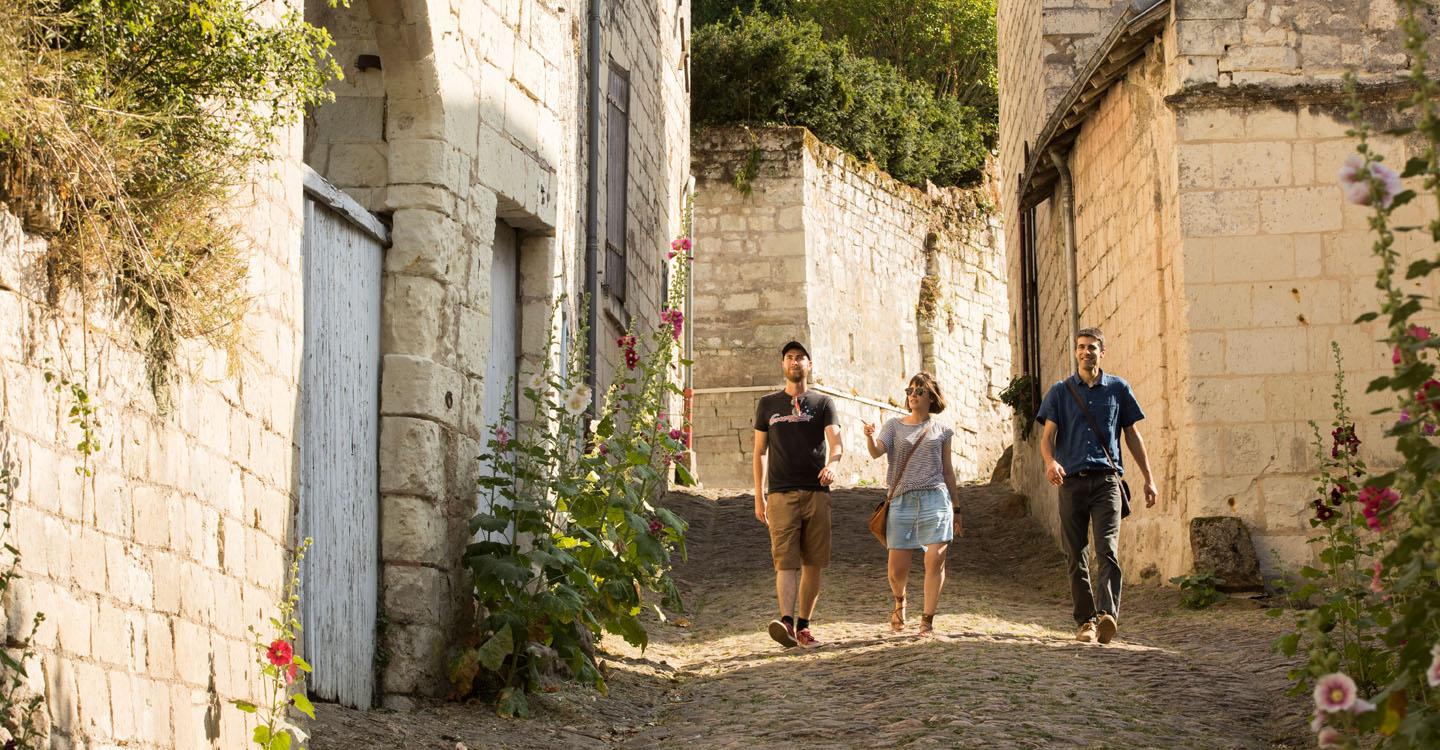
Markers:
point(794, 345)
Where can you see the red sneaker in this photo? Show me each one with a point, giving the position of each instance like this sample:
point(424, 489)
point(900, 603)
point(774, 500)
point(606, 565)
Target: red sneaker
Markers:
point(783, 633)
point(806, 639)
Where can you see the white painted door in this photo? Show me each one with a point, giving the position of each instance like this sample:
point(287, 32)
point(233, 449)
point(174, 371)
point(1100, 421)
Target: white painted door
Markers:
point(501, 370)
point(339, 443)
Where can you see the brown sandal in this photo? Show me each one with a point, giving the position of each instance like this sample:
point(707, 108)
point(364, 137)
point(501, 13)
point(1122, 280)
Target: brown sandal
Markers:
point(897, 615)
point(927, 624)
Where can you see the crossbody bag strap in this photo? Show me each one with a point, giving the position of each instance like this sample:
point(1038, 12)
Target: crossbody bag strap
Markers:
point(1094, 426)
point(900, 475)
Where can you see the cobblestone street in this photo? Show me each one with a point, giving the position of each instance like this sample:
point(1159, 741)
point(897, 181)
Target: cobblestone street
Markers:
point(1003, 672)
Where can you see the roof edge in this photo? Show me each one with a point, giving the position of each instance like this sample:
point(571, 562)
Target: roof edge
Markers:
point(1128, 39)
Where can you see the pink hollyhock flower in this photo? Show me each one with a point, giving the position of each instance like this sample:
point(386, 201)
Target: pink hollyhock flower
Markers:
point(1374, 502)
point(679, 246)
point(656, 527)
point(280, 653)
point(1404, 416)
point(1429, 428)
point(675, 319)
point(502, 436)
point(1375, 584)
point(676, 434)
point(292, 672)
point(631, 357)
point(1334, 692)
point(1356, 183)
point(1317, 720)
point(1428, 395)
point(1420, 333)
point(1330, 737)
point(1395, 356)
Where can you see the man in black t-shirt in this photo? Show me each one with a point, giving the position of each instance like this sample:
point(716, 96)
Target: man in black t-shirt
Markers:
point(791, 430)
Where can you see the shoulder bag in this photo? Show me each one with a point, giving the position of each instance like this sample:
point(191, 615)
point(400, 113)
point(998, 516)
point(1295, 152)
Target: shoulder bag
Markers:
point(882, 511)
point(1099, 437)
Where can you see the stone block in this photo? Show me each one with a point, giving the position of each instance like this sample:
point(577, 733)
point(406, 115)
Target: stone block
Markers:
point(1266, 351)
point(417, 653)
point(92, 694)
point(418, 386)
point(412, 530)
point(1221, 545)
point(424, 243)
point(412, 452)
point(415, 317)
point(358, 165)
point(1255, 164)
point(159, 646)
point(1226, 213)
point(1300, 210)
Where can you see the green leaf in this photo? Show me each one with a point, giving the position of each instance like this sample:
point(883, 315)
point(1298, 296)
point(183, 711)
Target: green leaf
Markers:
point(463, 669)
point(304, 704)
point(261, 736)
point(1367, 317)
point(511, 703)
point(683, 475)
point(1289, 643)
point(1417, 165)
point(245, 706)
point(1401, 198)
point(280, 741)
point(500, 645)
point(488, 522)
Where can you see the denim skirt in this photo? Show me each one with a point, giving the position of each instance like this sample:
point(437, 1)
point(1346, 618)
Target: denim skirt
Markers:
point(919, 518)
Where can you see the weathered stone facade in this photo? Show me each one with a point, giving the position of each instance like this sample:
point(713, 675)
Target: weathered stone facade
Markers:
point(464, 119)
point(1212, 245)
point(149, 570)
point(843, 258)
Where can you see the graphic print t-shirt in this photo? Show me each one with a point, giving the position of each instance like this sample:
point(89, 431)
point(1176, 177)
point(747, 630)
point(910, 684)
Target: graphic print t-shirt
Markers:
point(795, 436)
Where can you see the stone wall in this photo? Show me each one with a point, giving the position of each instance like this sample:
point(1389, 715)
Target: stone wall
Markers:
point(1215, 249)
point(475, 123)
point(149, 569)
point(834, 253)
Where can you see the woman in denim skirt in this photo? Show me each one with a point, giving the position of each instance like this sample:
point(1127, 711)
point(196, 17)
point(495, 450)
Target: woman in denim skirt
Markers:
point(921, 514)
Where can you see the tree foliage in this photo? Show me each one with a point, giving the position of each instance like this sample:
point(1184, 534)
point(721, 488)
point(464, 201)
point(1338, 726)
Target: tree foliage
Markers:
point(764, 69)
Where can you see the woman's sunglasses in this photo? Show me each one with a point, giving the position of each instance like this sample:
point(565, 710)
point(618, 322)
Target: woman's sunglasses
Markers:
point(916, 390)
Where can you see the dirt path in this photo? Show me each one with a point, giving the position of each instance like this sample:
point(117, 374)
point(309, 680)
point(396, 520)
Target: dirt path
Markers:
point(1003, 672)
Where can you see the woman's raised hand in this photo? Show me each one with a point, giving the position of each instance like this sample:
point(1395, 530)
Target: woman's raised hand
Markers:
point(869, 428)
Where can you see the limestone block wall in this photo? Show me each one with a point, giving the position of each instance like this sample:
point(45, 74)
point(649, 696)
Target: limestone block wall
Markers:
point(833, 253)
point(1277, 267)
point(149, 569)
point(483, 130)
point(1286, 43)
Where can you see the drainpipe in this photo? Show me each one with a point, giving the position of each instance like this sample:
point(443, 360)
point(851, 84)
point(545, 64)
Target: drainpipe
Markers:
point(1067, 211)
point(592, 206)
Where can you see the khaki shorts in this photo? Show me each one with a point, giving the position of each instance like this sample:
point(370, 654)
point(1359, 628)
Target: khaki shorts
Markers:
point(799, 524)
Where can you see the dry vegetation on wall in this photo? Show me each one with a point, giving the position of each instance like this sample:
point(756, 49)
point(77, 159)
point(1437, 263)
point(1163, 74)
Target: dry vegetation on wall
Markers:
point(125, 126)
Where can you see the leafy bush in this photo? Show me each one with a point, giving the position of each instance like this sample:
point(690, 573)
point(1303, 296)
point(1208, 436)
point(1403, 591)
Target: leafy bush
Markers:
point(571, 535)
point(126, 125)
point(764, 69)
point(1198, 590)
point(1020, 396)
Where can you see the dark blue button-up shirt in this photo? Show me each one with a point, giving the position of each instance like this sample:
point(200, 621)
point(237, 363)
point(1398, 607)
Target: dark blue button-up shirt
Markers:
point(1111, 402)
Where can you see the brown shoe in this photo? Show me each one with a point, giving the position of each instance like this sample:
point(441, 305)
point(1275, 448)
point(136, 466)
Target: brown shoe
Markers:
point(1086, 632)
point(806, 639)
point(1105, 628)
point(783, 633)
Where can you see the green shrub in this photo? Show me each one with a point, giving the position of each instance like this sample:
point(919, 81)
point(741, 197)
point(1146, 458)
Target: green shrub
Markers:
point(1198, 591)
point(864, 106)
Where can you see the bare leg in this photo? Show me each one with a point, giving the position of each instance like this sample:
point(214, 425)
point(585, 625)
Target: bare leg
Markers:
point(934, 574)
point(898, 570)
point(809, 589)
point(787, 583)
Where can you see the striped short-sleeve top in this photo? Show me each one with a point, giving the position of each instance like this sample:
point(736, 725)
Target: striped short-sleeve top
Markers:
point(926, 468)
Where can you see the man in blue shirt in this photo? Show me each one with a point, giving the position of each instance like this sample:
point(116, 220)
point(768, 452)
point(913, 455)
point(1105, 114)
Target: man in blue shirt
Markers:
point(1079, 462)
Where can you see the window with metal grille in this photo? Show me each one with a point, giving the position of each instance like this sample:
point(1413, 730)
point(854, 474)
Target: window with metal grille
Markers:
point(617, 179)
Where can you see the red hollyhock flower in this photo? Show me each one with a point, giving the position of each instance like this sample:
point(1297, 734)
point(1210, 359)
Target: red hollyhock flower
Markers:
point(280, 653)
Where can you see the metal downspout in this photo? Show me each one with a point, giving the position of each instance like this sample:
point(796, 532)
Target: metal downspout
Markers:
point(592, 207)
point(1067, 210)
